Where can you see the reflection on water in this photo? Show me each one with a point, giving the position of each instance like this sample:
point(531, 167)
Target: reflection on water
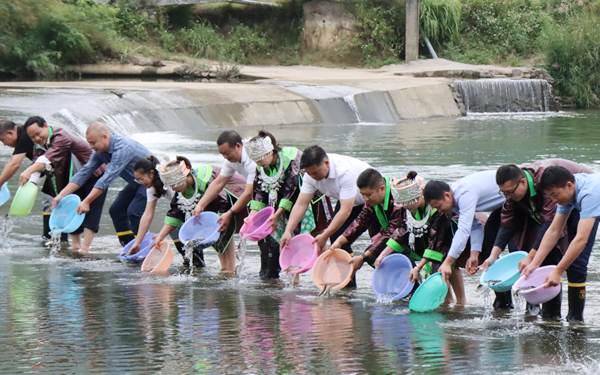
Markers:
point(90, 313)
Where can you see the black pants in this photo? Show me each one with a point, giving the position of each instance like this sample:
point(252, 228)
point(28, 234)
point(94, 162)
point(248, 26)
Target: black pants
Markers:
point(353, 215)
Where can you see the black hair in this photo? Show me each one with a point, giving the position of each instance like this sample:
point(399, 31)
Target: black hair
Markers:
point(435, 190)
point(34, 120)
point(312, 155)
point(556, 177)
point(147, 165)
point(509, 172)
point(370, 178)
point(231, 137)
point(411, 175)
point(263, 134)
point(184, 159)
point(6, 125)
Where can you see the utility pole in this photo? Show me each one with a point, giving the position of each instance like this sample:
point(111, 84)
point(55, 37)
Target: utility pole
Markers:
point(412, 31)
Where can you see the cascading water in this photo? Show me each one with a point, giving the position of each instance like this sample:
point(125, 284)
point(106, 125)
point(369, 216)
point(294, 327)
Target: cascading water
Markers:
point(6, 227)
point(241, 255)
point(506, 95)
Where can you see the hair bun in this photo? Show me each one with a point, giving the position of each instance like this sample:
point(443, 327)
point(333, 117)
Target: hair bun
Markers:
point(411, 175)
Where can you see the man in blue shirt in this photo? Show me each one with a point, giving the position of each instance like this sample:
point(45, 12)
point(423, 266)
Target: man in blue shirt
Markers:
point(477, 192)
point(579, 192)
point(119, 154)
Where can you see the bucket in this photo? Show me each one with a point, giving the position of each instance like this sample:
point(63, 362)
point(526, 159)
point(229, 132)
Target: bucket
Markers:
point(159, 259)
point(64, 217)
point(138, 257)
point(391, 277)
point(23, 200)
point(299, 255)
point(501, 275)
point(205, 229)
point(429, 295)
point(533, 289)
point(258, 226)
point(332, 269)
point(4, 194)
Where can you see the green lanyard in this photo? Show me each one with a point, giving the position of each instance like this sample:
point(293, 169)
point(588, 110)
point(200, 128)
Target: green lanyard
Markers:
point(532, 193)
point(383, 220)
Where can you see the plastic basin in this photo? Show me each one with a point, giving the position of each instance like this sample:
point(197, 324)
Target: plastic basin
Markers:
point(300, 252)
point(258, 226)
point(533, 289)
point(64, 218)
point(332, 269)
point(501, 275)
point(159, 259)
point(205, 229)
point(4, 194)
point(24, 199)
point(429, 295)
point(391, 277)
point(138, 257)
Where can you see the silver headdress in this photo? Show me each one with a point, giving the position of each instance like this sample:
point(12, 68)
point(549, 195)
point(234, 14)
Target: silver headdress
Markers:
point(406, 191)
point(258, 148)
point(172, 173)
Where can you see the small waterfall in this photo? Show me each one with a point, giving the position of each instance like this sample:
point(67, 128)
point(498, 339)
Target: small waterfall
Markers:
point(506, 95)
point(352, 104)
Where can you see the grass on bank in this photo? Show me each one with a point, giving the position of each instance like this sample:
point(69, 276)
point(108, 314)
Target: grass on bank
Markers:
point(41, 36)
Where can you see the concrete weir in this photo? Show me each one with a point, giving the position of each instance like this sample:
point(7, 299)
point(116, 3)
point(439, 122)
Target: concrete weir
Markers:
point(277, 96)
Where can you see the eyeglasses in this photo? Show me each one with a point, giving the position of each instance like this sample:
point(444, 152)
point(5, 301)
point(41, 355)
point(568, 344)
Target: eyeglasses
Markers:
point(138, 181)
point(509, 194)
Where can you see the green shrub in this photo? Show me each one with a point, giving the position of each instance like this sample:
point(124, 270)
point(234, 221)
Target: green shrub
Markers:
point(573, 56)
point(440, 19)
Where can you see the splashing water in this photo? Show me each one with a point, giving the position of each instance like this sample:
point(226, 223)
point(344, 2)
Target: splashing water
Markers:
point(386, 298)
point(486, 294)
point(288, 279)
point(188, 251)
point(54, 244)
point(241, 256)
point(6, 227)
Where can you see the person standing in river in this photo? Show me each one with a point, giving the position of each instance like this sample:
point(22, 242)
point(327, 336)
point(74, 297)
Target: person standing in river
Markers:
point(477, 192)
point(277, 184)
point(526, 216)
point(15, 136)
point(60, 154)
point(119, 154)
point(573, 193)
point(230, 145)
point(335, 176)
point(184, 186)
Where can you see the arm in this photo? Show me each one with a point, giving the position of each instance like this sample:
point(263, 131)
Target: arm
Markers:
point(387, 251)
point(26, 175)
point(211, 193)
point(84, 206)
point(145, 222)
point(584, 228)
point(414, 273)
point(69, 189)
point(548, 242)
point(239, 205)
point(158, 238)
point(346, 206)
point(11, 167)
point(296, 215)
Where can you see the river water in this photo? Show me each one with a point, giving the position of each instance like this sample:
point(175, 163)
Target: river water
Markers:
point(74, 313)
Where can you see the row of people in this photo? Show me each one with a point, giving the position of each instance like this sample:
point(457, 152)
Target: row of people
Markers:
point(436, 223)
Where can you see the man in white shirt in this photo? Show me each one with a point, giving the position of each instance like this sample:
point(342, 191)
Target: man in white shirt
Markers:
point(231, 147)
point(335, 176)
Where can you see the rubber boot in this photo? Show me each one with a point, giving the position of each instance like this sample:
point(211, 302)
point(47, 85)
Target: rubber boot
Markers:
point(126, 237)
point(64, 237)
point(551, 309)
point(198, 257)
point(269, 254)
point(503, 300)
point(532, 310)
point(576, 304)
point(46, 235)
point(179, 247)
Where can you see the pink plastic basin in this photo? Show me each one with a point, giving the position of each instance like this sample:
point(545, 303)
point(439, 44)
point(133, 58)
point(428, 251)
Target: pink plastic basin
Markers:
point(159, 259)
point(258, 226)
point(538, 294)
point(332, 269)
point(301, 253)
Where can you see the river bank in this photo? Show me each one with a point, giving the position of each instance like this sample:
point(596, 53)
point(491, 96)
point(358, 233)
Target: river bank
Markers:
point(294, 95)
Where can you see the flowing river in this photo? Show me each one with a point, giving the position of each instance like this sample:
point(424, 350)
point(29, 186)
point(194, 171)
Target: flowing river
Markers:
point(73, 313)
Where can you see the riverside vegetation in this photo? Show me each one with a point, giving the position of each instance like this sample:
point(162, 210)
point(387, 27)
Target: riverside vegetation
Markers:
point(42, 36)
